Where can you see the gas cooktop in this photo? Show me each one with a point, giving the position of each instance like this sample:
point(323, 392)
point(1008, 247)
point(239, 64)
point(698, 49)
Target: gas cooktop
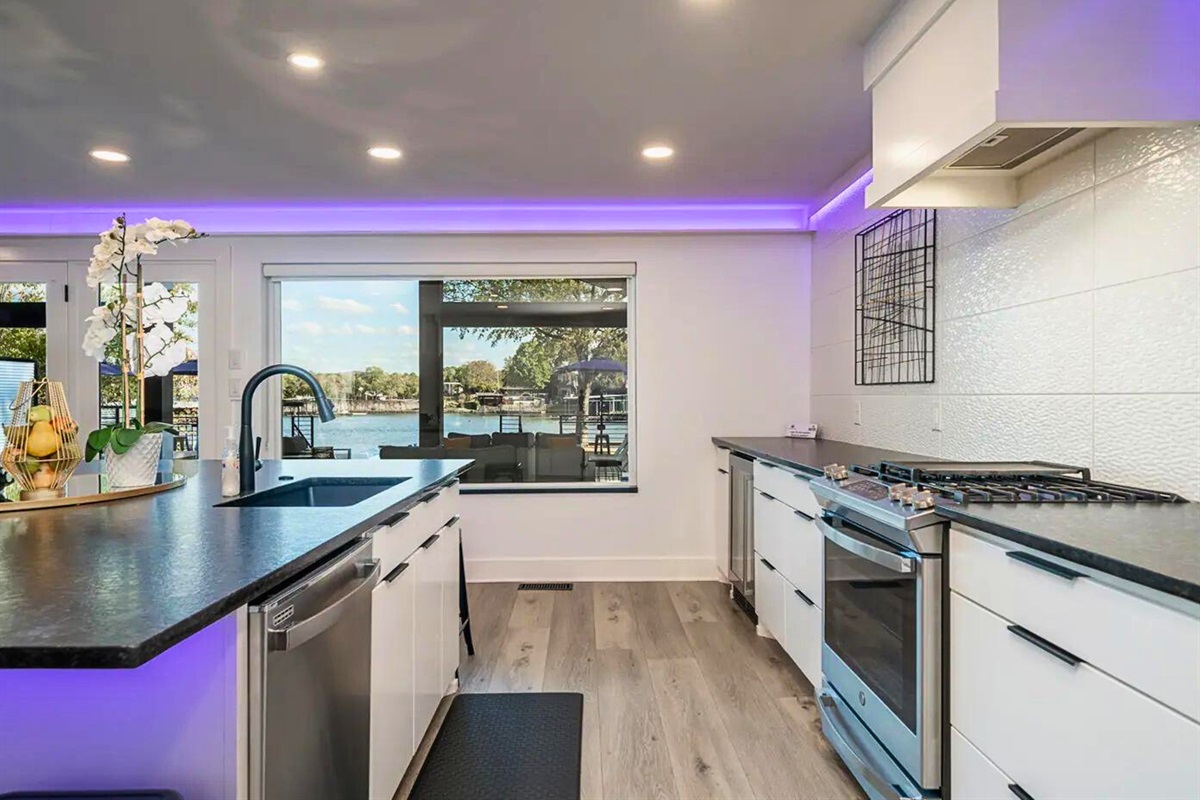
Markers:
point(1007, 482)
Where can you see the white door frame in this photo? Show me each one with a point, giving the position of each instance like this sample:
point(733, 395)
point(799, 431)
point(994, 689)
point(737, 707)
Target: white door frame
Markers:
point(60, 326)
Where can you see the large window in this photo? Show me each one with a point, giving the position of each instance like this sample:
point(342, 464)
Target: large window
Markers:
point(527, 377)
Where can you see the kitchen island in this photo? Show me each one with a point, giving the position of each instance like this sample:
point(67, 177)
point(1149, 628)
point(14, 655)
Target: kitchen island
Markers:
point(123, 626)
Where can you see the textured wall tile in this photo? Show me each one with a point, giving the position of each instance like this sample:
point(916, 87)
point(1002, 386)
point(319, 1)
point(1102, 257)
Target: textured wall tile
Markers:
point(957, 224)
point(833, 317)
point(1042, 348)
point(1129, 148)
point(833, 266)
point(833, 369)
point(1018, 428)
point(835, 416)
point(1148, 335)
point(1148, 220)
point(901, 422)
point(1071, 173)
point(1149, 440)
point(1047, 253)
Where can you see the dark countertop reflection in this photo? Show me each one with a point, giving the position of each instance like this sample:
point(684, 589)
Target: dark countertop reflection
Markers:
point(114, 584)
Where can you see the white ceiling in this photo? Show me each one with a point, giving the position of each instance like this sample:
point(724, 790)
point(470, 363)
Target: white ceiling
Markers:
point(535, 100)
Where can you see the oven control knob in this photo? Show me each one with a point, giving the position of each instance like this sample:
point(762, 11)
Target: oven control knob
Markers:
point(922, 500)
point(896, 491)
point(836, 472)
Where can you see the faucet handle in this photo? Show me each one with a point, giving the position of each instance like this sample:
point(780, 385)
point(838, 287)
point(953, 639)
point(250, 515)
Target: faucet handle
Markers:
point(257, 450)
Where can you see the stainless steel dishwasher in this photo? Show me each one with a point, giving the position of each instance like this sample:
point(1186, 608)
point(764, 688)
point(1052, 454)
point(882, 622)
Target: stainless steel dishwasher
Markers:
point(310, 682)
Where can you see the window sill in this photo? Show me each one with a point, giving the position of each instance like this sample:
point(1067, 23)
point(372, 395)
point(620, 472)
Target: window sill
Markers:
point(560, 488)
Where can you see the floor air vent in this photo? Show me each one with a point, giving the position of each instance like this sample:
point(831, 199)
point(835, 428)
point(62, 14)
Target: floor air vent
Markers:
point(546, 587)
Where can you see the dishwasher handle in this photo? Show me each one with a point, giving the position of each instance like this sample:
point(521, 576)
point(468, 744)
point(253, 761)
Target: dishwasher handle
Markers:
point(291, 637)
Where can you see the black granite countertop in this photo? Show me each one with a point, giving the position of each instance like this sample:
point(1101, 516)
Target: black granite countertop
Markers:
point(1154, 545)
point(115, 584)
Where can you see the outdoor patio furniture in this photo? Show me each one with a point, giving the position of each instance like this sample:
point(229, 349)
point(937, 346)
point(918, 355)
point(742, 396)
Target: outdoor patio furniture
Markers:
point(559, 457)
point(611, 467)
point(475, 439)
point(526, 453)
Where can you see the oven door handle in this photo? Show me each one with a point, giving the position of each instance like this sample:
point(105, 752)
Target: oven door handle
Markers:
point(843, 748)
point(876, 555)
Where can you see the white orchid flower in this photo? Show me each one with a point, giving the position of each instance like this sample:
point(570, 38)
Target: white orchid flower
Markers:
point(100, 331)
point(161, 305)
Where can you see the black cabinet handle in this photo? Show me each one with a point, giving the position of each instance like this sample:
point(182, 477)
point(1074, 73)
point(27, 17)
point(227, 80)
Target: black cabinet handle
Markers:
point(428, 543)
point(767, 496)
point(429, 498)
point(802, 515)
point(395, 518)
point(452, 520)
point(391, 576)
point(722, 471)
point(1050, 647)
point(768, 466)
point(800, 477)
point(804, 597)
point(767, 564)
point(1019, 792)
point(1044, 565)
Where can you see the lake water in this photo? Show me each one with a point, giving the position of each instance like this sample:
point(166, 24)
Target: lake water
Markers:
point(364, 434)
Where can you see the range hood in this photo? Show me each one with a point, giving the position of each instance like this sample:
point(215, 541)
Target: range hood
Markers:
point(968, 95)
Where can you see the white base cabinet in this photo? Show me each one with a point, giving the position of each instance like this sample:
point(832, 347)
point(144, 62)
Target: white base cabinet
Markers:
point(414, 634)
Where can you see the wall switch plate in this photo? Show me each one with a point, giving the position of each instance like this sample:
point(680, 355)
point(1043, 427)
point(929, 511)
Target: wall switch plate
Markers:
point(235, 359)
point(858, 412)
point(235, 388)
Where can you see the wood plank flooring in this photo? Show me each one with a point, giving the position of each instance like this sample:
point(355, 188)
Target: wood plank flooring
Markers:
point(682, 700)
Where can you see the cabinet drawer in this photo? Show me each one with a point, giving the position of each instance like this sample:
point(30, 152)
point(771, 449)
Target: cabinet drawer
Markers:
point(787, 485)
point(803, 640)
point(1050, 725)
point(722, 458)
point(791, 542)
point(768, 598)
point(972, 775)
point(1151, 647)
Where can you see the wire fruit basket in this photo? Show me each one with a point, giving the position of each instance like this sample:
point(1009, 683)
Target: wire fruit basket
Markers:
point(41, 447)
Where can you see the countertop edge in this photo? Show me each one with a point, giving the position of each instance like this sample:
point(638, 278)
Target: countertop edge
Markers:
point(129, 656)
point(1088, 558)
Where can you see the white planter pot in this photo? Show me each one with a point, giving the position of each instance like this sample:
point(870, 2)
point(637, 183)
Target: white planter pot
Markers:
point(137, 466)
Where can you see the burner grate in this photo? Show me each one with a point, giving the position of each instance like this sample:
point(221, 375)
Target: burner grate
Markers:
point(1014, 483)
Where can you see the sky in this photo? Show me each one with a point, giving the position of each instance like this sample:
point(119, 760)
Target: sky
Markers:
point(340, 326)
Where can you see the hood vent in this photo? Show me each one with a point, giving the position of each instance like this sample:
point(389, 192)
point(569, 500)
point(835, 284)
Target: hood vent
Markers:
point(1012, 147)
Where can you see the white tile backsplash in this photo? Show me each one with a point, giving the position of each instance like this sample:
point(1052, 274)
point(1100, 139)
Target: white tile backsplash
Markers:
point(1068, 327)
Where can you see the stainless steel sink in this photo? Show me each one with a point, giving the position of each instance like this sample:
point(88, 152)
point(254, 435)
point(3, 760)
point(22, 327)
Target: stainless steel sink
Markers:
point(316, 493)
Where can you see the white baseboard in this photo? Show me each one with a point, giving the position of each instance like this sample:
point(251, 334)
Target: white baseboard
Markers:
point(584, 570)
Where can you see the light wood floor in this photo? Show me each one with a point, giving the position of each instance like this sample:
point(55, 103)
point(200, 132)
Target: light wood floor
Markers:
point(681, 698)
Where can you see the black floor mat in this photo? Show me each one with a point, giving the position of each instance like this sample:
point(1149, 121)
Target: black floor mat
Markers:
point(506, 747)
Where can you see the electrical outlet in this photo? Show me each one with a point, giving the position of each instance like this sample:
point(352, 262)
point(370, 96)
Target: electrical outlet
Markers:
point(235, 359)
point(235, 388)
point(858, 412)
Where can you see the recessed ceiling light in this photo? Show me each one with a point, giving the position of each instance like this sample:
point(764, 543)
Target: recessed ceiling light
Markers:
point(305, 61)
point(614, 290)
point(501, 305)
point(606, 308)
point(386, 153)
point(658, 152)
point(115, 156)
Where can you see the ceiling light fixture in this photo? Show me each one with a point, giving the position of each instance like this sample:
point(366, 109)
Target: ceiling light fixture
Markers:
point(614, 290)
point(385, 153)
point(658, 152)
point(501, 305)
point(305, 61)
point(114, 156)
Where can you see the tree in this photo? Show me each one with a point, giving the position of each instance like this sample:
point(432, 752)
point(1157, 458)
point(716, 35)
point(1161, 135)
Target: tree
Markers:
point(405, 384)
point(24, 343)
point(479, 376)
point(561, 345)
point(371, 383)
point(529, 366)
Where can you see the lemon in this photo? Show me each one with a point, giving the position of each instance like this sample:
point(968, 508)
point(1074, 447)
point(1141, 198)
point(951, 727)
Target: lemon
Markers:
point(42, 441)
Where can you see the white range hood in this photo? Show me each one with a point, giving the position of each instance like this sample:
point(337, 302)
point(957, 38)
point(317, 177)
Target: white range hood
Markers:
point(967, 95)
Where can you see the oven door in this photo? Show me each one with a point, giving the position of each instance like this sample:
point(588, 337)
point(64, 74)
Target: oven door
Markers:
point(883, 640)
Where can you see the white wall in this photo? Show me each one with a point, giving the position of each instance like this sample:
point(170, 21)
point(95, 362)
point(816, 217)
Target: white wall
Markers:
point(1068, 329)
point(721, 348)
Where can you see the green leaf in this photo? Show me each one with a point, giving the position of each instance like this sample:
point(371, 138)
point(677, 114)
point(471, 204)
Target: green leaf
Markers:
point(160, 427)
point(97, 440)
point(124, 438)
point(135, 423)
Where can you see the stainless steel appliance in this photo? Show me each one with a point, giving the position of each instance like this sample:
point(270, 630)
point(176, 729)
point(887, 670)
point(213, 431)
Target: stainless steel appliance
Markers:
point(741, 531)
point(310, 682)
point(883, 690)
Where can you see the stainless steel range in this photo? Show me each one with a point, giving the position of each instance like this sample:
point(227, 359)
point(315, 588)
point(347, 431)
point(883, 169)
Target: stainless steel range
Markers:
point(883, 689)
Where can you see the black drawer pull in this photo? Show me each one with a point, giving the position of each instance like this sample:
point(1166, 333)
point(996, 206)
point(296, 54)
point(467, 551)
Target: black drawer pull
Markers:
point(395, 518)
point(768, 466)
point(429, 498)
point(767, 564)
point(391, 576)
point(802, 515)
point(1043, 564)
point(801, 477)
point(1050, 647)
point(428, 543)
point(804, 597)
point(722, 471)
point(767, 496)
point(1019, 792)
point(452, 520)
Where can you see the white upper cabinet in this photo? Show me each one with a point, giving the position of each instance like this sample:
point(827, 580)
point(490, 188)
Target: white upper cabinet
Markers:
point(967, 95)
